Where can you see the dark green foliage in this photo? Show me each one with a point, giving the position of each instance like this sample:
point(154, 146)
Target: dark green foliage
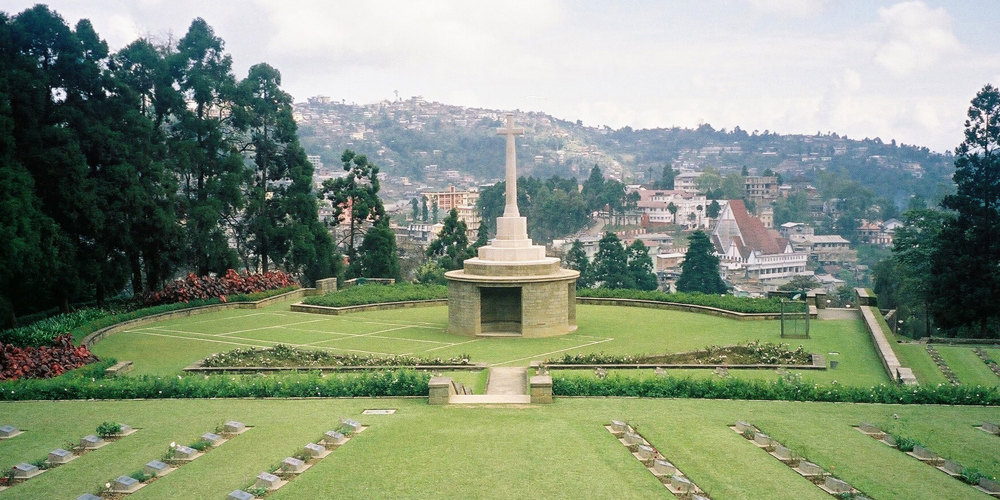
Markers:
point(357, 192)
point(640, 266)
point(45, 331)
point(700, 270)
point(780, 390)
point(755, 352)
point(713, 209)
point(800, 283)
point(374, 294)
point(378, 252)
point(666, 180)
point(553, 207)
point(965, 275)
point(576, 259)
point(792, 208)
point(727, 302)
point(451, 247)
point(611, 264)
point(109, 429)
point(291, 385)
point(283, 355)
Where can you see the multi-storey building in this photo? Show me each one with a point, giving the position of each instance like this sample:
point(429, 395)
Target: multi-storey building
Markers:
point(747, 248)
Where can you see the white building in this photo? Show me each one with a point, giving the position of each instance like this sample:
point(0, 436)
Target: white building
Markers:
point(655, 204)
point(747, 248)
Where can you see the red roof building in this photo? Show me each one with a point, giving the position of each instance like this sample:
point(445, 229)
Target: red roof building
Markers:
point(745, 246)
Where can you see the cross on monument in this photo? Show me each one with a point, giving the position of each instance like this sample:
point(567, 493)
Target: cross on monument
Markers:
point(510, 209)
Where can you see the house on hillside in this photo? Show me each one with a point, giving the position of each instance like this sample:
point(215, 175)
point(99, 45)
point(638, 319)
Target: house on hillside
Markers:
point(748, 249)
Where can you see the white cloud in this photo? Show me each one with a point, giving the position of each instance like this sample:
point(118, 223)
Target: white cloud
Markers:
point(916, 37)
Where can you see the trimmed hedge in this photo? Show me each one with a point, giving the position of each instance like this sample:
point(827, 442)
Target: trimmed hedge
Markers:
point(284, 355)
point(292, 385)
point(755, 352)
point(374, 294)
point(45, 331)
point(780, 390)
point(727, 302)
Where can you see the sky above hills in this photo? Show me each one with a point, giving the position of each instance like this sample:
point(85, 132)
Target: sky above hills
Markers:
point(895, 70)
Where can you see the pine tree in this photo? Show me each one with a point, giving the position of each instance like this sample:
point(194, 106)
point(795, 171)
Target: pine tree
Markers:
point(966, 275)
point(378, 252)
point(576, 259)
point(640, 266)
point(700, 270)
point(611, 264)
point(451, 247)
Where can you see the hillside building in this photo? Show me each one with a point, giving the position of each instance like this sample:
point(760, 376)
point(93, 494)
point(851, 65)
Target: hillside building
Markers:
point(748, 249)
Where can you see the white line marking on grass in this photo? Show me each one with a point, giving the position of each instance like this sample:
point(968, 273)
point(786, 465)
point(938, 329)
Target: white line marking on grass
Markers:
point(447, 346)
point(263, 343)
point(229, 318)
point(553, 352)
point(272, 326)
point(195, 339)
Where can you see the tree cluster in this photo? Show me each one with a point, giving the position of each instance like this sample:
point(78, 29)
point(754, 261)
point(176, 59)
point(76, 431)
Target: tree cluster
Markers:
point(614, 266)
point(122, 170)
point(553, 207)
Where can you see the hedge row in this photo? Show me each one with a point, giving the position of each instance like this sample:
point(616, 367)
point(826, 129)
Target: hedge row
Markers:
point(195, 287)
point(373, 294)
point(44, 332)
point(284, 355)
point(780, 390)
point(291, 385)
point(727, 302)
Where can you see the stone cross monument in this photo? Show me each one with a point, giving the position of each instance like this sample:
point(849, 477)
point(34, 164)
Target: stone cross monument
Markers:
point(512, 288)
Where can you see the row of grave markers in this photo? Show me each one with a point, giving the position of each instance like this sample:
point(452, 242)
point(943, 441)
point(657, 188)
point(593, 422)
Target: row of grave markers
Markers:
point(25, 471)
point(942, 365)
point(809, 470)
point(178, 455)
point(925, 455)
point(668, 474)
point(291, 467)
point(992, 364)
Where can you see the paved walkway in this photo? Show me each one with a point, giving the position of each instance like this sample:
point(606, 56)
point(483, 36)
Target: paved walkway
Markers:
point(507, 385)
point(839, 313)
point(507, 380)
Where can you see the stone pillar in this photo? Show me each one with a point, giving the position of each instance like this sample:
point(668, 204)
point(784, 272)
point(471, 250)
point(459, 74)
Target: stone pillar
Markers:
point(510, 209)
point(440, 390)
point(541, 389)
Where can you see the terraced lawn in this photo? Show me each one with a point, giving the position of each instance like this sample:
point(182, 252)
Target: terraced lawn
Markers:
point(546, 451)
point(166, 347)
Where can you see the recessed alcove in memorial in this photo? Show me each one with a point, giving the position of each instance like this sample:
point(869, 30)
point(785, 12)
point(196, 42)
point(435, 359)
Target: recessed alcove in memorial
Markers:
point(511, 288)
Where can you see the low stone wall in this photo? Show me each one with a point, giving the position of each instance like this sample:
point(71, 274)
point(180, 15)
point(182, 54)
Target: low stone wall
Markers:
point(883, 347)
point(382, 306)
point(92, 339)
point(675, 306)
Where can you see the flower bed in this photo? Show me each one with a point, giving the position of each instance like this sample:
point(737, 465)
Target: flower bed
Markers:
point(205, 287)
point(285, 356)
point(751, 353)
point(43, 361)
point(373, 294)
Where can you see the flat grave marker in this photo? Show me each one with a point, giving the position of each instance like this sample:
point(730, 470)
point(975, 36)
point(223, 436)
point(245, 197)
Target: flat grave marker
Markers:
point(212, 438)
point(332, 439)
point(60, 456)
point(239, 495)
point(952, 468)
point(92, 442)
point(680, 485)
point(233, 427)
point(9, 431)
point(990, 427)
point(292, 465)
point(184, 454)
point(313, 450)
point(663, 469)
point(836, 486)
point(24, 471)
point(989, 486)
point(88, 496)
point(809, 469)
point(377, 411)
point(125, 484)
point(268, 481)
point(157, 468)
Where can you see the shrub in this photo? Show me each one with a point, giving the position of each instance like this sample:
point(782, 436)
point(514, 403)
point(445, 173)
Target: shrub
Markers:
point(43, 361)
point(286, 385)
point(905, 443)
point(283, 355)
point(755, 352)
point(204, 287)
point(44, 332)
point(782, 389)
point(727, 302)
point(971, 475)
point(374, 294)
point(109, 429)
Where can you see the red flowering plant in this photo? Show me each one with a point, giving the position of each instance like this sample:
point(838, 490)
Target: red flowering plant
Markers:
point(195, 287)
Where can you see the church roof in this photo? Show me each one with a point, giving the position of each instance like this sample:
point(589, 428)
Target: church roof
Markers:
point(754, 235)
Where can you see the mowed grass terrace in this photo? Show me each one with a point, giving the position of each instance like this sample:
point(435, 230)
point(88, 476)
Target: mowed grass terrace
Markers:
point(167, 347)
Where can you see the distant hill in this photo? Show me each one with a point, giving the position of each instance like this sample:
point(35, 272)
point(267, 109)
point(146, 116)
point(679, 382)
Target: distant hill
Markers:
point(433, 145)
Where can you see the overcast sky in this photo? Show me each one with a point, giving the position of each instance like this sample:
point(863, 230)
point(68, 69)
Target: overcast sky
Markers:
point(896, 70)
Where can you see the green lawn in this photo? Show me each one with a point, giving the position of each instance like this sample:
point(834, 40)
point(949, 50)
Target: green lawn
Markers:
point(967, 366)
point(167, 347)
point(546, 451)
point(915, 357)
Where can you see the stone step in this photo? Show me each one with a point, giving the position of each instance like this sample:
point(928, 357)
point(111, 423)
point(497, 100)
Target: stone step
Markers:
point(507, 380)
point(499, 334)
point(486, 399)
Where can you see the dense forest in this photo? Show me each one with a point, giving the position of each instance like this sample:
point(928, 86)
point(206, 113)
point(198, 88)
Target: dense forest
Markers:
point(123, 170)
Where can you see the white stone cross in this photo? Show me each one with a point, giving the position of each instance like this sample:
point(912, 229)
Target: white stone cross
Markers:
point(510, 209)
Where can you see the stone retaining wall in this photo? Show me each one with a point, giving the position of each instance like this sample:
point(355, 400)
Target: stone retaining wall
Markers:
point(883, 347)
point(675, 306)
point(91, 339)
point(382, 306)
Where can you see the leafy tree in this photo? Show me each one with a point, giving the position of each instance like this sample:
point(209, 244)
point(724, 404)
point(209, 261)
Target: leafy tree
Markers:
point(700, 270)
point(414, 209)
point(357, 192)
point(966, 279)
point(208, 164)
point(424, 213)
point(482, 236)
point(793, 208)
point(435, 214)
point(378, 252)
point(911, 278)
point(593, 190)
point(640, 266)
point(430, 273)
point(709, 181)
point(611, 264)
point(451, 247)
point(733, 186)
point(799, 283)
point(666, 180)
point(713, 210)
point(577, 259)
point(673, 210)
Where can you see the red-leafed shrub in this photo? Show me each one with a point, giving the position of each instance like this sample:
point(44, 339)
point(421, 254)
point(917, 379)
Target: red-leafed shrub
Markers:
point(44, 361)
point(207, 287)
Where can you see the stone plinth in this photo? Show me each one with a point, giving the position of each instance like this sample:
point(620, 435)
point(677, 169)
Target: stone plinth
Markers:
point(541, 389)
